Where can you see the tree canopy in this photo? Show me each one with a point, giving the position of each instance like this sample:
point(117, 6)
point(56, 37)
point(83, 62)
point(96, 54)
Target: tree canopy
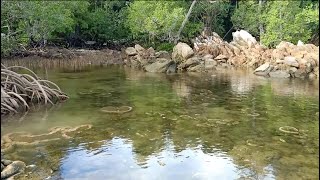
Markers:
point(34, 23)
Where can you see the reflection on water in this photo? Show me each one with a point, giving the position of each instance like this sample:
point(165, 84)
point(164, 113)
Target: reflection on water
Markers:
point(220, 125)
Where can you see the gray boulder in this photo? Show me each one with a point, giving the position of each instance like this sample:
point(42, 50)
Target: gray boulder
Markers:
point(161, 65)
point(172, 68)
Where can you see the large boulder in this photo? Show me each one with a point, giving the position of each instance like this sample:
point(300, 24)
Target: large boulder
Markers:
point(181, 52)
point(131, 51)
point(161, 65)
point(243, 38)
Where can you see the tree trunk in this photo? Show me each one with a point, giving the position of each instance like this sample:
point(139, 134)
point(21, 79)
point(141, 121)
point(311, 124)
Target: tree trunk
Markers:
point(261, 29)
point(185, 21)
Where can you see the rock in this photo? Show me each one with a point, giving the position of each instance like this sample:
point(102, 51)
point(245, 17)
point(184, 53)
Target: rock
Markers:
point(130, 51)
point(279, 61)
point(190, 62)
point(12, 169)
point(163, 54)
point(2, 166)
point(243, 38)
point(221, 56)
point(210, 64)
point(263, 70)
point(143, 61)
point(134, 63)
point(263, 67)
point(300, 74)
point(151, 51)
point(300, 43)
point(197, 68)
point(291, 61)
point(161, 65)
point(6, 162)
point(172, 68)
point(139, 48)
point(181, 52)
point(284, 45)
point(312, 76)
point(278, 54)
point(279, 74)
point(208, 56)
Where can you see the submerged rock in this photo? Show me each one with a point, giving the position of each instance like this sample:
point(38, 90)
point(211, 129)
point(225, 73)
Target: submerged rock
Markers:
point(279, 74)
point(12, 169)
point(5, 162)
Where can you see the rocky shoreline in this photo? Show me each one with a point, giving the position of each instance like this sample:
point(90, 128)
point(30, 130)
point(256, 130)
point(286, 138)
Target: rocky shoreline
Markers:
point(211, 53)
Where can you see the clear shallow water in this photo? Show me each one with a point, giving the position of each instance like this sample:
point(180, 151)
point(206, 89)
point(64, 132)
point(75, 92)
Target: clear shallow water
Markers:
point(189, 126)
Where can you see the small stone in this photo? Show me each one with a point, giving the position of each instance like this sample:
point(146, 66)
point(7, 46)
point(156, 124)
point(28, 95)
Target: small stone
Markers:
point(6, 162)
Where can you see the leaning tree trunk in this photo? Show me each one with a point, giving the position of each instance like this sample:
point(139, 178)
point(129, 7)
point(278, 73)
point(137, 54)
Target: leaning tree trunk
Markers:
point(185, 21)
point(261, 29)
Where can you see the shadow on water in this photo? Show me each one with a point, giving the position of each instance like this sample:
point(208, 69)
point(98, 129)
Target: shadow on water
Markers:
point(219, 125)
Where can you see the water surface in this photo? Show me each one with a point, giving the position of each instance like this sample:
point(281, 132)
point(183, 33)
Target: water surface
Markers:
point(218, 125)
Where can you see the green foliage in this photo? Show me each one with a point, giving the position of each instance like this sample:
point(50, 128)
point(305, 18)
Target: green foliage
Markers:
point(287, 21)
point(155, 23)
point(192, 29)
point(246, 16)
point(165, 46)
point(157, 19)
point(211, 14)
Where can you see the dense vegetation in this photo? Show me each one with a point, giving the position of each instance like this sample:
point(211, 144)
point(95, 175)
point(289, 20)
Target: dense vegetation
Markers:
point(156, 23)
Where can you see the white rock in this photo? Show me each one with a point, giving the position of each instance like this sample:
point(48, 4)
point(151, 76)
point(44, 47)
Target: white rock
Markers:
point(242, 37)
point(300, 43)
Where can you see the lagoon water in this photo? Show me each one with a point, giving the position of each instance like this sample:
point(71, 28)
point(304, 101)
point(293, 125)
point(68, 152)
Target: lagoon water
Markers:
point(217, 125)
